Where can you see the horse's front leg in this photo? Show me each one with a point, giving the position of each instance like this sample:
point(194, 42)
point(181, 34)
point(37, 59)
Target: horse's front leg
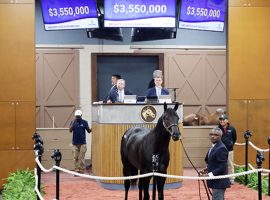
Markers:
point(126, 170)
point(160, 187)
point(127, 186)
point(145, 186)
point(140, 188)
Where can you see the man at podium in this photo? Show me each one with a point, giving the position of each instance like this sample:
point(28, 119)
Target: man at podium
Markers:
point(157, 90)
point(118, 95)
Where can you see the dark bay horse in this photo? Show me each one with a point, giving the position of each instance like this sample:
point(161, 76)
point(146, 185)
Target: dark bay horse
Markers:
point(139, 144)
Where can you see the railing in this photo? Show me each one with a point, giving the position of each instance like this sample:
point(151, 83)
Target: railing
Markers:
point(57, 156)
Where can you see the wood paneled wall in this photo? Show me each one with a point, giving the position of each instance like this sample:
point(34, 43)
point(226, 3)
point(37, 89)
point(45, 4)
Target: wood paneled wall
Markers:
point(199, 76)
point(249, 45)
point(196, 143)
point(248, 72)
point(17, 88)
point(57, 139)
point(17, 51)
point(57, 88)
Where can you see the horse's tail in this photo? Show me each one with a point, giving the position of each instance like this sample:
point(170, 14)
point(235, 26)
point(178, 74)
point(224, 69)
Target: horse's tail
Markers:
point(133, 172)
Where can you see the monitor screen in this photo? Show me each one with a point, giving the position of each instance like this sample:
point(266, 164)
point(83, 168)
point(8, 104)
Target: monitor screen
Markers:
point(139, 13)
point(148, 34)
point(69, 14)
point(106, 33)
point(206, 15)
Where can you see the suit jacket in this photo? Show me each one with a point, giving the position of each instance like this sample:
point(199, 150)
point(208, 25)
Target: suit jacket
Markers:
point(107, 97)
point(217, 164)
point(113, 95)
point(152, 92)
point(151, 84)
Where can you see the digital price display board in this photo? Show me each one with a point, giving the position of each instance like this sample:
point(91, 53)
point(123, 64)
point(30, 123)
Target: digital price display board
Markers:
point(203, 14)
point(69, 14)
point(139, 13)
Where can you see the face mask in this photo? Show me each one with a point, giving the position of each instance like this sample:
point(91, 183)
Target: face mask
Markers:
point(78, 118)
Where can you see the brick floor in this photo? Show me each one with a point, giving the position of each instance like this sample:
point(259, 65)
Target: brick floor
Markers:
point(77, 188)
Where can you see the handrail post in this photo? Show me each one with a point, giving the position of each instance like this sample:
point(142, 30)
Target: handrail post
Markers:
point(155, 161)
point(247, 135)
point(259, 159)
point(38, 147)
point(57, 156)
point(268, 140)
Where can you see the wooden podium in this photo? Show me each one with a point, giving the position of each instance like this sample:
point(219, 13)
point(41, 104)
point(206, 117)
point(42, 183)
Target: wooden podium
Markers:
point(109, 122)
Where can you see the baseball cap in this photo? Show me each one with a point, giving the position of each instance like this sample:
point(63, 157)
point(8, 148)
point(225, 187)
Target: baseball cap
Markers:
point(223, 116)
point(78, 113)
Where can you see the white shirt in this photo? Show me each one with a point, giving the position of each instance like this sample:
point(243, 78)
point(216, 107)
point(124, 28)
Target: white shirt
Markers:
point(121, 95)
point(158, 91)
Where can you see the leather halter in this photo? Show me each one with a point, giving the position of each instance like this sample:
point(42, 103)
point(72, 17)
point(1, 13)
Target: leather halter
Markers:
point(168, 127)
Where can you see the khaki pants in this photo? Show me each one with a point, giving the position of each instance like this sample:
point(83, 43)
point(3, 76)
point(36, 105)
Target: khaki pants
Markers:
point(230, 164)
point(78, 156)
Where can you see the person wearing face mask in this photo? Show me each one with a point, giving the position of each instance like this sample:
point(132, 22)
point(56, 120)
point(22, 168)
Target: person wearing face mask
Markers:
point(78, 126)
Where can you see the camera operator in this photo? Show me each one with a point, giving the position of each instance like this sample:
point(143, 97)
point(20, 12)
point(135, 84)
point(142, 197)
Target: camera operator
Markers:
point(228, 138)
point(78, 127)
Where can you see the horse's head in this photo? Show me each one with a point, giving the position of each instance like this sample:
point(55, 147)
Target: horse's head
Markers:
point(170, 120)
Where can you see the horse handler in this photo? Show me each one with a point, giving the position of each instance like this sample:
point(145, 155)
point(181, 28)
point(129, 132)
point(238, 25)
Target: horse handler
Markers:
point(216, 159)
point(78, 127)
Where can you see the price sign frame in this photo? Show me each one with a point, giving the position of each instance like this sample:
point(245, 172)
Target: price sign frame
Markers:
point(206, 15)
point(140, 13)
point(69, 14)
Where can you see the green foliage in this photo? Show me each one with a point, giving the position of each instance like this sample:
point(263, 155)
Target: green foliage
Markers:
point(252, 180)
point(20, 185)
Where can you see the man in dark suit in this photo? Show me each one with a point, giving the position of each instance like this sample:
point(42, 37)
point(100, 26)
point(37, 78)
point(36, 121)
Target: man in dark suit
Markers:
point(118, 95)
point(216, 159)
point(114, 79)
point(157, 90)
point(156, 73)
